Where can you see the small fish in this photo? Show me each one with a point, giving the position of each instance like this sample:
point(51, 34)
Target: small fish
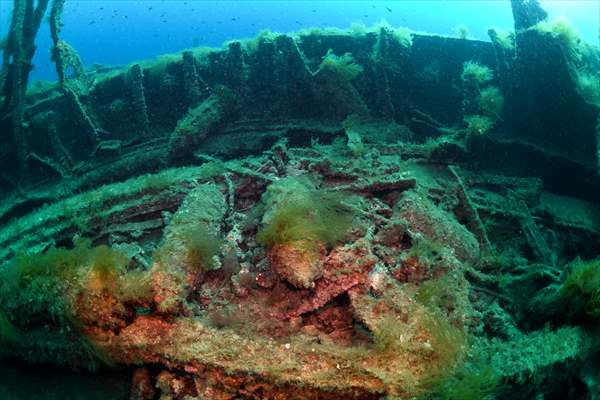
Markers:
point(102, 132)
point(298, 22)
point(92, 22)
point(150, 8)
point(389, 9)
point(155, 35)
point(233, 19)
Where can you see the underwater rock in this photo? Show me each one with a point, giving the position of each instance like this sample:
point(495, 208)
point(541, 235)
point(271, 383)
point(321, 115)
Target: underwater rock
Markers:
point(298, 262)
point(142, 387)
point(343, 269)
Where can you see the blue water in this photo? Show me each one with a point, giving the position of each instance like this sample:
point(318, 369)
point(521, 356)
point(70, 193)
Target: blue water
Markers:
point(117, 32)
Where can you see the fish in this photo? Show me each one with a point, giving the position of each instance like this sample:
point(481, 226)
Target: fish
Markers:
point(102, 132)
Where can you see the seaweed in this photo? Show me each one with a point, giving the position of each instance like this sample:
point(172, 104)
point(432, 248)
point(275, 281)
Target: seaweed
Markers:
point(482, 106)
point(50, 299)
point(201, 246)
point(448, 343)
point(344, 66)
point(581, 288)
point(478, 125)
point(490, 102)
point(469, 381)
point(304, 213)
point(63, 264)
point(476, 74)
point(462, 31)
point(355, 143)
point(403, 37)
point(390, 335)
point(563, 30)
point(435, 293)
point(49, 283)
point(426, 249)
point(107, 263)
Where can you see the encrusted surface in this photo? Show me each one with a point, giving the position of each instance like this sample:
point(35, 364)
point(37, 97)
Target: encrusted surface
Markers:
point(351, 246)
point(385, 310)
